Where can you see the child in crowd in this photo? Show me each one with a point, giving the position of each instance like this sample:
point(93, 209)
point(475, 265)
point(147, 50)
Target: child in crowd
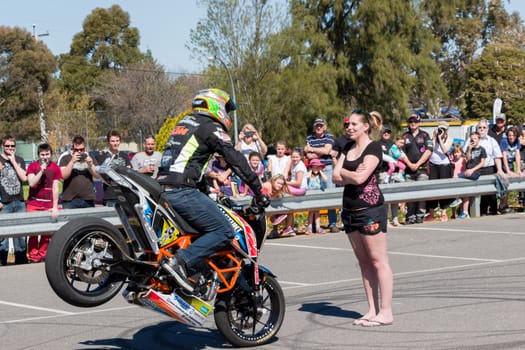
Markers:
point(475, 157)
point(279, 163)
point(296, 185)
point(275, 188)
point(396, 152)
point(226, 187)
point(255, 162)
point(510, 149)
point(316, 181)
point(298, 180)
point(459, 162)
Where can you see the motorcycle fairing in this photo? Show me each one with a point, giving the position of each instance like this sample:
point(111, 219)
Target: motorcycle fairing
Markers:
point(244, 234)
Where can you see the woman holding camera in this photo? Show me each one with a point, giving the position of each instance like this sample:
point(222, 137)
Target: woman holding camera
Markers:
point(250, 141)
point(440, 167)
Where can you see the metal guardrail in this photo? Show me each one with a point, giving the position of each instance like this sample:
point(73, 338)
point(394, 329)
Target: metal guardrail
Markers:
point(35, 223)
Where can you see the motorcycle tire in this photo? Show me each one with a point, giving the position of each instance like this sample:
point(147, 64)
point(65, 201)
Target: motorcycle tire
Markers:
point(79, 259)
point(237, 320)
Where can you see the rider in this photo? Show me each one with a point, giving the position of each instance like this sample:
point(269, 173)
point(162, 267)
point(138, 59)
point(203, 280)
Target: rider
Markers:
point(190, 146)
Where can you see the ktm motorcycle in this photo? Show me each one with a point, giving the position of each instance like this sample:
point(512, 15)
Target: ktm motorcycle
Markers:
point(89, 260)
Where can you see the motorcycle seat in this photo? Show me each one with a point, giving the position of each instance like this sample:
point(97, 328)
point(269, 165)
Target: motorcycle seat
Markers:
point(150, 184)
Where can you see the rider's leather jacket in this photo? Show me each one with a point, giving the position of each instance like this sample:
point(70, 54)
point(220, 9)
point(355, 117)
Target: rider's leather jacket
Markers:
point(189, 149)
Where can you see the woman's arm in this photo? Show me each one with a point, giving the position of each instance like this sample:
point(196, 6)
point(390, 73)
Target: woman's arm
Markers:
point(358, 177)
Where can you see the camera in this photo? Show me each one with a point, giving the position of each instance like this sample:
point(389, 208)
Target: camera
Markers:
point(83, 157)
point(248, 133)
point(42, 161)
point(441, 131)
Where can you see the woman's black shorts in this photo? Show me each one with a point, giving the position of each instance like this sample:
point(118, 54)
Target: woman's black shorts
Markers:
point(369, 221)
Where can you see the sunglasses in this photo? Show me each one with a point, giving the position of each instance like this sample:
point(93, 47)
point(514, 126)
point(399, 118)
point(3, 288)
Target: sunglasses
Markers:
point(9, 146)
point(346, 125)
point(482, 127)
point(79, 149)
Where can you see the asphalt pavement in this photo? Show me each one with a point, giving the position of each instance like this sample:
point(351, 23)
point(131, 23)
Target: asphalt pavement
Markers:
point(458, 285)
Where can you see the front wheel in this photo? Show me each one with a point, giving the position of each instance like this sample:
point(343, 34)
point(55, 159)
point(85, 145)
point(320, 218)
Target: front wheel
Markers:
point(248, 320)
point(79, 261)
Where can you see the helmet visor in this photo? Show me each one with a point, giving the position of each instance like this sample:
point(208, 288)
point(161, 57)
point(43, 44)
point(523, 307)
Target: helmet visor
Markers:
point(230, 106)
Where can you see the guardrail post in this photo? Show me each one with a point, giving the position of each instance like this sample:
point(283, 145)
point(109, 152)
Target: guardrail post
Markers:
point(474, 206)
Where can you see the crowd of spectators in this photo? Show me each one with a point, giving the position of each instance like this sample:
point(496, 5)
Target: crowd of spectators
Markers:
point(413, 155)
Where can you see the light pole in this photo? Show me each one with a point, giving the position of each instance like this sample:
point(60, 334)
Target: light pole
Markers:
point(41, 116)
point(235, 126)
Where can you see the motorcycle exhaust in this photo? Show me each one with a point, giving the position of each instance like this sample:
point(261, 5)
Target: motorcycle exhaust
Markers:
point(189, 310)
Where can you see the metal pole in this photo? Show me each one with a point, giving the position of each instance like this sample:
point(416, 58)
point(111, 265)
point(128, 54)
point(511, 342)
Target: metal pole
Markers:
point(232, 86)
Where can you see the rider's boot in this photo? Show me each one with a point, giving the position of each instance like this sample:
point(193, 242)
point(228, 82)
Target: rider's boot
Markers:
point(177, 269)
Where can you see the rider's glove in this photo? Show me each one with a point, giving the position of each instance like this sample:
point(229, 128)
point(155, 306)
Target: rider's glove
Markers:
point(261, 200)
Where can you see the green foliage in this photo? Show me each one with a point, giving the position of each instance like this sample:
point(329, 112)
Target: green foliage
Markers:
point(106, 42)
point(166, 129)
point(498, 72)
point(26, 66)
point(382, 53)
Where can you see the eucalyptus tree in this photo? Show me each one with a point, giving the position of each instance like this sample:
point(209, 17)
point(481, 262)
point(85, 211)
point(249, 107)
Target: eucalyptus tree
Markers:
point(381, 49)
point(107, 42)
point(26, 68)
point(463, 28)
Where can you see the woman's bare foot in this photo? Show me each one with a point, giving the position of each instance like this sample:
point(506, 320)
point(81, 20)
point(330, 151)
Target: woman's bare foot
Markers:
point(377, 321)
point(363, 319)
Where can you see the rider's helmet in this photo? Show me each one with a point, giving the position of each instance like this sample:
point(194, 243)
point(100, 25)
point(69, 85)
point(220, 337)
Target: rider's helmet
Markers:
point(216, 104)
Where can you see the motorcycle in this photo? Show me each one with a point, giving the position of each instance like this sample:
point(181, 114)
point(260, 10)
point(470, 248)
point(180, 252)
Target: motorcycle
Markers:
point(89, 260)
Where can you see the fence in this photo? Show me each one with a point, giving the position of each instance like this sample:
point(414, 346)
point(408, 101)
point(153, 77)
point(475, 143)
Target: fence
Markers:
point(34, 223)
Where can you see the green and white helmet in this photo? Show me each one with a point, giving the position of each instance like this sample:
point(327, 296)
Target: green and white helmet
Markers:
point(216, 104)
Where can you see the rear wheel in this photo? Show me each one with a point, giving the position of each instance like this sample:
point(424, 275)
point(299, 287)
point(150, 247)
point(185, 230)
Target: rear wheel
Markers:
point(247, 320)
point(79, 261)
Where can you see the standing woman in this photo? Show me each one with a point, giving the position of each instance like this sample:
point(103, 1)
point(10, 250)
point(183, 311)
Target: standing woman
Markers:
point(364, 215)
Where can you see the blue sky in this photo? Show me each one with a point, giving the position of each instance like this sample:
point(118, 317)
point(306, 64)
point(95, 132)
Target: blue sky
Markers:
point(164, 25)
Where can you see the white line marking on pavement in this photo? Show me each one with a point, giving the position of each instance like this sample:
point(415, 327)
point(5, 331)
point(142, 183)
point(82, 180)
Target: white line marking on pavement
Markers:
point(61, 313)
point(407, 273)
point(36, 308)
point(459, 230)
point(444, 257)
point(390, 252)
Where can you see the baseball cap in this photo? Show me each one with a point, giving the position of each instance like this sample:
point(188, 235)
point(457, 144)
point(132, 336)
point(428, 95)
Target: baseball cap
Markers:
point(443, 124)
point(386, 127)
point(501, 116)
point(414, 117)
point(319, 121)
point(346, 120)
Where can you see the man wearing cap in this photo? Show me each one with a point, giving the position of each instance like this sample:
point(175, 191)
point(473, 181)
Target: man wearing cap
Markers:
point(319, 145)
point(342, 141)
point(499, 130)
point(418, 148)
point(493, 165)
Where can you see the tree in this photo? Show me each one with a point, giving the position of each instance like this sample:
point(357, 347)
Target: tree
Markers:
point(67, 117)
point(26, 66)
point(463, 28)
point(244, 34)
point(141, 96)
point(382, 52)
point(498, 72)
point(106, 42)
